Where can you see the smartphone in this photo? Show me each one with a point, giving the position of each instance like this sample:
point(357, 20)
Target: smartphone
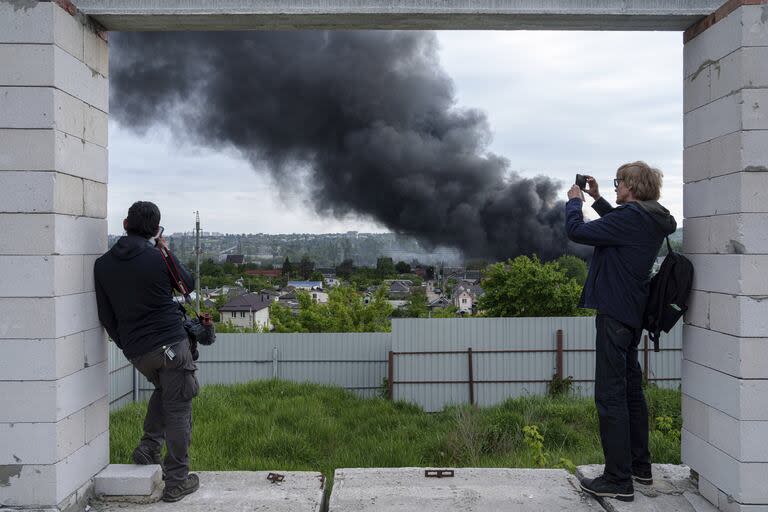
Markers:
point(160, 232)
point(581, 181)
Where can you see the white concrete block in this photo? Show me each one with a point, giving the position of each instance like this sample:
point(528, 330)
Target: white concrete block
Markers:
point(27, 276)
point(128, 480)
point(33, 24)
point(26, 107)
point(744, 233)
point(27, 150)
point(739, 315)
point(95, 346)
point(68, 32)
point(77, 391)
point(742, 274)
point(76, 313)
point(80, 235)
point(96, 53)
point(696, 88)
point(753, 20)
point(708, 490)
point(27, 401)
point(40, 192)
point(41, 443)
point(96, 126)
point(41, 359)
point(713, 44)
point(728, 154)
point(698, 309)
point(74, 77)
point(24, 318)
point(95, 199)
point(745, 67)
point(69, 114)
point(744, 358)
point(59, 234)
point(743, 192)
point(739, 398)
point(69, 278)
point(74, 471)
point(696, 235)
point(755, 109)
point(88, 263)
point(85, 160)
point(26, 65)
point(96, 419)
point(743, 481)
point(721, 117)
point(29, 486)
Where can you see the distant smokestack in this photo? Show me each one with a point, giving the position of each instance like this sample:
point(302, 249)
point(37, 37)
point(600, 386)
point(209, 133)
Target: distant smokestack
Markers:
point(370, 117)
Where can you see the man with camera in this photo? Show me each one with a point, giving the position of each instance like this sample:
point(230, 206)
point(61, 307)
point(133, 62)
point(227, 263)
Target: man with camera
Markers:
point(134, 293)
point(627, 240)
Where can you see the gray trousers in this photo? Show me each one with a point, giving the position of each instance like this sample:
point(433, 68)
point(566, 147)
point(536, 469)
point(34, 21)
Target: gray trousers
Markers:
point(169, 413)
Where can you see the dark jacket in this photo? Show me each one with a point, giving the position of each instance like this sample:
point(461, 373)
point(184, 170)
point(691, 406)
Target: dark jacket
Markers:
point(134, 294)
point(627, 240)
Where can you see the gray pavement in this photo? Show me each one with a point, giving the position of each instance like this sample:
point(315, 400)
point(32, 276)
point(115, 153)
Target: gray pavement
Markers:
point(237, 491)
point(470, 490)
point(672, 491)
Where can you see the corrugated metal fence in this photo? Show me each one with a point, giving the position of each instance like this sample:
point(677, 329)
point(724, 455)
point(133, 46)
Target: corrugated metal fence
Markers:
point(509, 357)
point(354, 361)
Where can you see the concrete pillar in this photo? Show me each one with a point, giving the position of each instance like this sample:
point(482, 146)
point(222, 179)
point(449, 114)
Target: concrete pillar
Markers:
point(54, 433)
point(725, 345)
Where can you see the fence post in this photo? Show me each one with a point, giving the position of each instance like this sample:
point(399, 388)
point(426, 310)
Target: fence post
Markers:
point(135, 385)
point(390, 373)
point(471, 377)
point(646, 373)
point(275, 355)
point(559, 355)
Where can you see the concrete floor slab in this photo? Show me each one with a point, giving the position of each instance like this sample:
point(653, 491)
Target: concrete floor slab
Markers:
point(470, 489)
point(239, 491)
point(672, 491)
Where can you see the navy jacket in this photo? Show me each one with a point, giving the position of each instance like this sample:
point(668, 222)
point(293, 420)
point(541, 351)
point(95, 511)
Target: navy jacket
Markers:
point(134, 295)
point(626, 240)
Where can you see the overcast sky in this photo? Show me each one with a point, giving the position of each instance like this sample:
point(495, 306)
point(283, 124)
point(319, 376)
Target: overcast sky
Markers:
point(558, 103)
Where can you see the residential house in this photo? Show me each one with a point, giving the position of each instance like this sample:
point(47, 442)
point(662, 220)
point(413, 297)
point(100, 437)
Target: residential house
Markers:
point(439, 303)
point(399, 289)
point(248, 310)
point(265, 272)
point(235, 259)
point(314, 288)
point(465, 297)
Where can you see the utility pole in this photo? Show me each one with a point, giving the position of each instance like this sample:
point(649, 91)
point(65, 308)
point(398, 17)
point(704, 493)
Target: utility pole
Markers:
point(197, 261)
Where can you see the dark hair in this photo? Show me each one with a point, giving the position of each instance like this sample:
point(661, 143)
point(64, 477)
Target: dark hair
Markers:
point(143, 219)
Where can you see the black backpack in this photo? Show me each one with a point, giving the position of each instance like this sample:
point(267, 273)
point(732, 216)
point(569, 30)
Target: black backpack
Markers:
point(668, 297)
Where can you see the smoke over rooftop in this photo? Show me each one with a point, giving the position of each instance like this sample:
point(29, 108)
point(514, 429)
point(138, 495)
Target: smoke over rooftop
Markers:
point(369, 119)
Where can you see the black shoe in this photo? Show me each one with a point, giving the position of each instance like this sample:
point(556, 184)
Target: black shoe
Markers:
point(642, 477)
point(188, 486)
point(602, 488)
point(144, 456)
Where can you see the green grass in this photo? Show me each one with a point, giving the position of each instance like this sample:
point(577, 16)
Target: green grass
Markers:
point(277, 425)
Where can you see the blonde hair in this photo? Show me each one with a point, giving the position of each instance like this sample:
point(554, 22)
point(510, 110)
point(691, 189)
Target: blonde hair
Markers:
point(643, 180)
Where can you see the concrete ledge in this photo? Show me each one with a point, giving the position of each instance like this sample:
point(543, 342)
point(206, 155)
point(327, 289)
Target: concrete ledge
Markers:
point(128, 480)
point(234, 491)
point(672, 491)
point(408, 490)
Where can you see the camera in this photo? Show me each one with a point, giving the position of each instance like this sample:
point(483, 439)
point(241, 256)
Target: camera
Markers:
point(581, 181)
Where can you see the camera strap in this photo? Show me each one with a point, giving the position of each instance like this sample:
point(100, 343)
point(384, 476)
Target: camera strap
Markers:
point(178, 282)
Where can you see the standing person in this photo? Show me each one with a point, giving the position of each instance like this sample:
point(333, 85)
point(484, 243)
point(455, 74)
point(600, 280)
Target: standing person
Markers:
point(627, 240)
point(134, 294)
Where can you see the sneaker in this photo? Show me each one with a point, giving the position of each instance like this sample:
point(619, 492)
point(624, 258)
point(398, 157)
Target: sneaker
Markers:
point(642, 477)
point(144, 456)
point(176, 492)
point(602, 488)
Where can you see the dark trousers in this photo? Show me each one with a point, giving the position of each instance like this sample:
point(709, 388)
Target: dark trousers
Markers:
point(621, 406)
point(169, 412)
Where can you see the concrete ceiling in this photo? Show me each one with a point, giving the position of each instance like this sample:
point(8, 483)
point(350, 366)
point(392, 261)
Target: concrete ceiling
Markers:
point(159, 15)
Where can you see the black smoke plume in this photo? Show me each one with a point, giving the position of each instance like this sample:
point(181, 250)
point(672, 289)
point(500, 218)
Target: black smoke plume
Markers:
point(369, 117)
